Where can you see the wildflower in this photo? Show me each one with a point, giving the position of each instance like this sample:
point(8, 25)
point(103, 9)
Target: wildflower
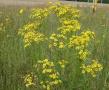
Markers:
point(48, 87)
point(62, 63)
point(69, 26)
point(21, 11)
point(81, 40)
point(93, 68)
point(39, 13)
point(30, 34)
point(83, 54)
point(51, 75)
point(61, 45)
point(28, 80)
point(56, 40)
point(30, 37)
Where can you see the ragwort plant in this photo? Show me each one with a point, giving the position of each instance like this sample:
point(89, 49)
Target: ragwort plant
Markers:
point(67, 36)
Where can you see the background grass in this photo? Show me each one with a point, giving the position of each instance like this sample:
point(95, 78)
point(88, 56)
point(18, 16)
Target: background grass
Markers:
point(15, 61)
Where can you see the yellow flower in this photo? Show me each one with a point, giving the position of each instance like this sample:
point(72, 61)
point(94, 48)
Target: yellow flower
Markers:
point(39, 13)
point(30, 37)
point(93, 68)
point(62, 63)
point(44, 86)
point(61, 45)
point(21, 11)
point(69, 26)
point(53, 76)
point(55, 82)
point(81, 40)
point(83, 54)
point(48, 87)
point(28, 80)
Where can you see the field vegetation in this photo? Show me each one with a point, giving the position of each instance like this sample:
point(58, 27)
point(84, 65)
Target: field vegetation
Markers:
point(58, 47)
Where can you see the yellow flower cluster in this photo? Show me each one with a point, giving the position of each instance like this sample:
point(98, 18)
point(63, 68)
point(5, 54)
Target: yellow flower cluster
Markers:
point(30, 31)
point(80, 43)
point(57, 40)
point(64, 10)
point(67, 17)
point(50, 74)
point(61, 10)
point(83, 54)
point(29, 80)
point(82, 40)
point(68, 26)
point(93, 68)
point(31, 34)
point(39, 14)
point(62, 63)
point(29, 27)
point(30, 37)
point(67, 35)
